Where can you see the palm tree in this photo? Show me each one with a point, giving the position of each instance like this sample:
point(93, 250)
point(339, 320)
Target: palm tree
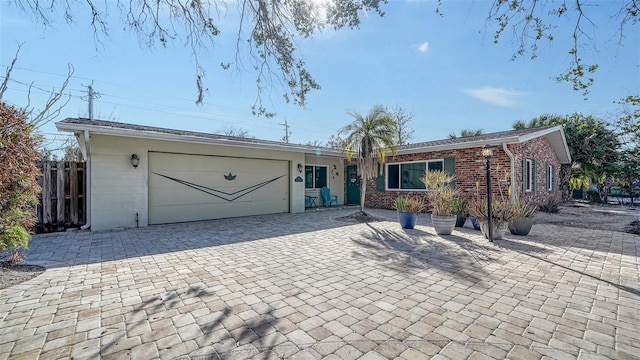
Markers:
point(539, 121)
point(368, 138)
point(466, 133)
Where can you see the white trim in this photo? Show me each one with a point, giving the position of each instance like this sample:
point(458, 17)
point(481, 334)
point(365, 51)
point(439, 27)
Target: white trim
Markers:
point(154, 135)
point(400, 163)
point(550, 177)
point(314, 178)
point(555, 135)
point(529, 174)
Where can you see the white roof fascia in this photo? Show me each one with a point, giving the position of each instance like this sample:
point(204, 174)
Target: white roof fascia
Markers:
point(554, 134)
point(462, 145)
point(141, 134)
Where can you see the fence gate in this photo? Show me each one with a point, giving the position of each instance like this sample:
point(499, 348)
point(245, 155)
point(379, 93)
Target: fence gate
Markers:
point(62, 200)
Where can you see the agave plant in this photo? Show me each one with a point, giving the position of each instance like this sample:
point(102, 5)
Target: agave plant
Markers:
point(408, 204)
point(502, 211)
point(440, 193)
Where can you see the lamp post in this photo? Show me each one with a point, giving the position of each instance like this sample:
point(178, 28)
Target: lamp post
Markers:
point(487, 152)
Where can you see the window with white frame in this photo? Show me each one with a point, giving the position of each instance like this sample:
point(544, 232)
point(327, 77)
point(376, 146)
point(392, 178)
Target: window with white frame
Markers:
point(527, 174)
point(550, 173)
point(407, 175)
point(315, 176)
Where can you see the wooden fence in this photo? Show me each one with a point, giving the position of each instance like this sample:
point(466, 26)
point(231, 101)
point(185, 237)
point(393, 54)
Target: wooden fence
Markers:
point(62, 200)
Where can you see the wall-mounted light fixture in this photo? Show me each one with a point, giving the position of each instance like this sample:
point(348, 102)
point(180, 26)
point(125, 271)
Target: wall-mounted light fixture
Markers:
point(135, 160)
point(300, 167)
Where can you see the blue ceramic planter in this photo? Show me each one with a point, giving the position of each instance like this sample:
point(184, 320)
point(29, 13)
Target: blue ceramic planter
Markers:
point(407, 220)
point(474, 222)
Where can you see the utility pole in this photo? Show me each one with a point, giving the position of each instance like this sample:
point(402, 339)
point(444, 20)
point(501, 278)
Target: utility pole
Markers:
point(286, 130)
point(91, 94)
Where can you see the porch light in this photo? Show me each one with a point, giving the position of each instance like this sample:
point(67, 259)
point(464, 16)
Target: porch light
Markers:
point(135, 160)
point(300, 167)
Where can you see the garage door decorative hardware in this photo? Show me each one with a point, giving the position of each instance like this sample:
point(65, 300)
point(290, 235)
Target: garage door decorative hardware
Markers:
point(230, 177)
point(228, 196)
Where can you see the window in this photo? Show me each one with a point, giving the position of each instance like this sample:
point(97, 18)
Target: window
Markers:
point(406, 176)
point(315, 176)
point(550, 172)
point(527, 174)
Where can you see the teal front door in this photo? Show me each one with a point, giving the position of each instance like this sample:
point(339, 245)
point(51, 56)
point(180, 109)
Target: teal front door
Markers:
point(353, 185)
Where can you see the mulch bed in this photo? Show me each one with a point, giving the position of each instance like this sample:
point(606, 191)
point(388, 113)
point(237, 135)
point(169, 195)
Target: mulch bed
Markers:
point(16, 274)
point(359, 217)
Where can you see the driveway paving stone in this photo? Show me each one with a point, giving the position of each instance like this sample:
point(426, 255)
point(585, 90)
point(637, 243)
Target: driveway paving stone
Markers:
point(309, 286)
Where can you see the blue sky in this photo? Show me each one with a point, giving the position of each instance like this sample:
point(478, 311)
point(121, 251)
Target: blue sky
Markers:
point(444, 69)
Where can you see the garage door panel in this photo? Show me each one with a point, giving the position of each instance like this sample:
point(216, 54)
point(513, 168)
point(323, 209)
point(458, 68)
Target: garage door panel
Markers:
point(185, 187)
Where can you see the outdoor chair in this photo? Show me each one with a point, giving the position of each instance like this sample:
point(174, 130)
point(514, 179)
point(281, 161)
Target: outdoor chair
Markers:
point(327, 198)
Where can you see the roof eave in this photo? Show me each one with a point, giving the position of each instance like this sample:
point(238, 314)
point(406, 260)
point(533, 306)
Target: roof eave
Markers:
point(461, 145)
point(154, 135)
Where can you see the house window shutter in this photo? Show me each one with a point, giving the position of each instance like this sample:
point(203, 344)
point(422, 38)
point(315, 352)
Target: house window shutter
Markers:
point(380, 179)
point(450, 168)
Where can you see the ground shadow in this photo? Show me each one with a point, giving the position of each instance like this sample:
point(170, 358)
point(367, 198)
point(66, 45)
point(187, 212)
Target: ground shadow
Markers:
point(418, 249)
point(88, 247)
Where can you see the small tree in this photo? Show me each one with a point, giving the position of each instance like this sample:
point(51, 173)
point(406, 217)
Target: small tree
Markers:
point(18, 180)
point(368, 138)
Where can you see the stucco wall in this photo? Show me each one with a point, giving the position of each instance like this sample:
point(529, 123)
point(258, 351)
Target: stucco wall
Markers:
point(470, 170)
point(118, 191)
point(335, 177)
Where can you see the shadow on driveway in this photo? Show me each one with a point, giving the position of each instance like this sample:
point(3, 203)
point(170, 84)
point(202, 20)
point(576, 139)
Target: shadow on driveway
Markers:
point(460, 257)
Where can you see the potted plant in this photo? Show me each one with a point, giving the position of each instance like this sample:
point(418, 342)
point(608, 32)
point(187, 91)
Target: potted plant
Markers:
point(502, 212)
point(461, 209)
point(522, 223)
point(441, 195)
point(408, 209)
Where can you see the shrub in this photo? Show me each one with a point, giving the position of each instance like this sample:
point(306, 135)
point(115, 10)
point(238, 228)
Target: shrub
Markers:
point(461, 206)
point(407, 204)
point(440, 193)
point(551, 205)
point(18, 180)
point(502, 211)
point(524, 208)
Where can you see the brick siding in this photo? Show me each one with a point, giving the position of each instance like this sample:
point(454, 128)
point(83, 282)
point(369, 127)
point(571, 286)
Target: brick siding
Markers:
point(471, 172)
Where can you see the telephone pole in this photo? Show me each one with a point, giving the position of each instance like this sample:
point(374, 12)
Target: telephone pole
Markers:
point(91, 94)
point(286, 130)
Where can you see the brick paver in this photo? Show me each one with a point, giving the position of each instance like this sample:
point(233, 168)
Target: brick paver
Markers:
point(307, 286)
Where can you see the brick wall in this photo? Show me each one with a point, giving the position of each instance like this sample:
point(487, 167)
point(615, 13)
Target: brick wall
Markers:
point(470, 169)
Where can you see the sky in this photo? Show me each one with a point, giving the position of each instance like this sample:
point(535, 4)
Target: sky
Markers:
point(446, 70)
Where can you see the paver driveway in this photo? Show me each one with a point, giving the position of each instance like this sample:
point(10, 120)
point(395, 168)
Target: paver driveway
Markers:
point(306, 286)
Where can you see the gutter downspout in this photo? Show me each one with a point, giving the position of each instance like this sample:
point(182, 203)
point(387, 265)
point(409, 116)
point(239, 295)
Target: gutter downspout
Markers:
point(512, 172)
point(87, 145)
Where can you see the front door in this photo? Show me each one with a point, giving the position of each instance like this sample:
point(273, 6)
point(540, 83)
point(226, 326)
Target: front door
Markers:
point(353, 185)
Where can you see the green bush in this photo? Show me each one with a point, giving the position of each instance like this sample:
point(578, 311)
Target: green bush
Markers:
point(18, 180)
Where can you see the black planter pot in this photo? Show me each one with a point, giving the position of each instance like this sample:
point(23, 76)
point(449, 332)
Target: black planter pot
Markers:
point(521, 226)
point(460, 220)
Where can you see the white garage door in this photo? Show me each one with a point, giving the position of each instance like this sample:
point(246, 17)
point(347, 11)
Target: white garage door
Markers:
point(186, 187)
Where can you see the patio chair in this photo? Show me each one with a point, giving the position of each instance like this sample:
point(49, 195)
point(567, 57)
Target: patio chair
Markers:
point(327, 198)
